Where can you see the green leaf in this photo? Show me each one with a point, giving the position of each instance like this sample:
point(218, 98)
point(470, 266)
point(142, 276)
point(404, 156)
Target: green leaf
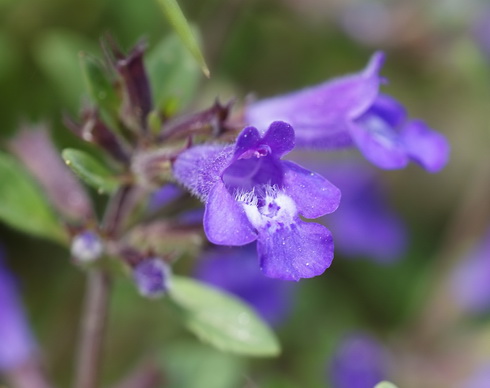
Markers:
point(99, 85)
point(178, 21)
point(191, 365)
point(22, 205)
point(56, 53)
point(90, 170)
point(385, 384)
point(173, 73)
point(222, 320)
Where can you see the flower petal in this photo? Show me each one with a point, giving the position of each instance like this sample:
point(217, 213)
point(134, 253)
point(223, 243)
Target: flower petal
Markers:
point(248, 140)
point(303, 250)
point(379, 143)
point(280, 138)
point(389, 109)
point(428, 148)
point(225, 222)
point(314, 195)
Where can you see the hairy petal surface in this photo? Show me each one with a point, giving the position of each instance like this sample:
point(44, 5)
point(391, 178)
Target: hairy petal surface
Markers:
point(200, 167)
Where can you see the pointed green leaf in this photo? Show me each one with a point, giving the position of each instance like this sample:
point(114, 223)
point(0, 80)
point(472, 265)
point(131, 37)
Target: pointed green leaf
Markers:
point(99, 85)
point(385, 384)
point(90, 170)
point(222, 320)
point(22, 205)
point(178, 21)
point(173, 73)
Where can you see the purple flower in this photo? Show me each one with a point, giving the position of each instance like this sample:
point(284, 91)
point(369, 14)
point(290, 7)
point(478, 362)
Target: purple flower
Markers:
point(152, 277)
point(364, 225)
point(359, 362)
point(479, 379)
point(163, 196)
point(16, 342)
point(481, 31)
point(471, 278)
point(250, 194)
point(235, 270)
point(350, 111)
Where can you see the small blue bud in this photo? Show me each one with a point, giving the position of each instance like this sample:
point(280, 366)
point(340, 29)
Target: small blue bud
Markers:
point(87, 247)
point(152, 277)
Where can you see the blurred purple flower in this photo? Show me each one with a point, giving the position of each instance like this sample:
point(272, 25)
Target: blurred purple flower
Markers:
point(163, 196)
point(350, 111)
point(235, 270)
point(360, 361)
point(152, 277)
point(251, 194)
point(481, 31)
point(16, 342)
point(480, 379)
point(364, 225)
point(471, 278)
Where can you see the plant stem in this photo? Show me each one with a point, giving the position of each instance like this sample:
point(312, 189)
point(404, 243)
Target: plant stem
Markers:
point(97, 299)
point(91, 339)
point(146, 375)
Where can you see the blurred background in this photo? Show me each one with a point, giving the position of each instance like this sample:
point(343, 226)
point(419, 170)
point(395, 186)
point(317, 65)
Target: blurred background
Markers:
point(406, 312)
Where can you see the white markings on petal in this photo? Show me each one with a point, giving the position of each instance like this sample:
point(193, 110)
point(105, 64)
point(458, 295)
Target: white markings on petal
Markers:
point(267, 207)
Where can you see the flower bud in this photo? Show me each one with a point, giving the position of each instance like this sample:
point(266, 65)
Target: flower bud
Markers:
point(86, 247)
point(152, 277)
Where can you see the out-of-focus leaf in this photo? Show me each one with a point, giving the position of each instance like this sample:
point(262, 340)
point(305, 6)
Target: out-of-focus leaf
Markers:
point(174, 74)
point(178, 21)
point(191, 365)
point(57, 54)
point(279, 382)
point(22, 205)
point(385, 384)
point(222, 320)
point(90, 170)
point(99, 85)
point(7, 62)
